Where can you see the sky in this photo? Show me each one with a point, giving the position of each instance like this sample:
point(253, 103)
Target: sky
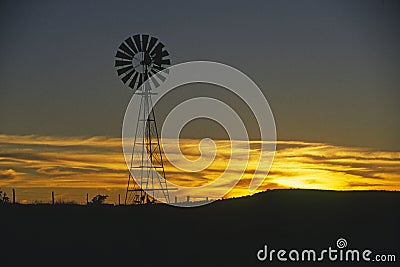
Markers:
point(329, 69)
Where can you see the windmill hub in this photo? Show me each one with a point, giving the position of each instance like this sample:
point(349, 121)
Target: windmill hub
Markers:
point(141, 61)
point(147, 60)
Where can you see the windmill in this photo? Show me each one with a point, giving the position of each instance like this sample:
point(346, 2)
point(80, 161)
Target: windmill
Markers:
point(138, 59)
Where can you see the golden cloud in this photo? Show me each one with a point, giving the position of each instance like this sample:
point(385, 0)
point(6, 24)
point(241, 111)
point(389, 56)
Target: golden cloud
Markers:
point(75, 165)
point(7, 174)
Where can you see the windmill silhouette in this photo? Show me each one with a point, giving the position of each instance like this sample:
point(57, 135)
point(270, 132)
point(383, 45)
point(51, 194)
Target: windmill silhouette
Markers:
point(142, 58)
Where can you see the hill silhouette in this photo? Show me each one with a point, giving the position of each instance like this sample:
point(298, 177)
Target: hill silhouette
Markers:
point(227, 232)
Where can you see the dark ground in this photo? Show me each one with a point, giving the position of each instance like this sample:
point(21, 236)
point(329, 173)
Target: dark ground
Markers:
point(224, 233)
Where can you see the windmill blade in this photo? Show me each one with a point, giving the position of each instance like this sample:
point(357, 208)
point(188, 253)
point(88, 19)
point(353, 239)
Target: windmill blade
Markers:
point(123, 70)
point(153, 71)
point(157, 67)
point(133, 81)
point(160, 70)
point(145, 40)
point(119, 63)
point(123, 56)
point(152, 43)
point(126, 49)
point(157, 61)
point(127, 76)
point(157, 49)
point(164, 53)
point(131, 45)
point(136, 38)
point(161, 77)
point(154, 80)
point(158, 74)
point(158, 58)
point(166, 62)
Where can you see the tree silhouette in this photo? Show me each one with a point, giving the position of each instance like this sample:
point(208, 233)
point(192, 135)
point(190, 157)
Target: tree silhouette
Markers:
point(4, 198)
point(99, 199)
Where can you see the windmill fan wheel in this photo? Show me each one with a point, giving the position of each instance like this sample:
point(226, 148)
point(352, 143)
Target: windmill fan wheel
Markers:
point(141, 57)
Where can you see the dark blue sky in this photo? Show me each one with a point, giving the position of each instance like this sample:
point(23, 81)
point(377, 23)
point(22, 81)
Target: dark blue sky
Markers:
point(330, 69)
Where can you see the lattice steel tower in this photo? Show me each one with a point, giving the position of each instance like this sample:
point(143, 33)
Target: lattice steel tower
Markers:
point(138, 59)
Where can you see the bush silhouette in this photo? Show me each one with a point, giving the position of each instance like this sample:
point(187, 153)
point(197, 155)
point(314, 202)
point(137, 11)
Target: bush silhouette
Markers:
point(99, 199)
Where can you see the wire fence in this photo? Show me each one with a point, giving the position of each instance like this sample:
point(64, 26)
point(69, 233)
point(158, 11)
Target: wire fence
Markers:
point(81, 196)
point(61, 195)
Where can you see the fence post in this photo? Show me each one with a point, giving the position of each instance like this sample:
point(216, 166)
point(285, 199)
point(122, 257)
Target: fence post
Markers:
point(13, 192)
point(52, 197)
point(87, 198)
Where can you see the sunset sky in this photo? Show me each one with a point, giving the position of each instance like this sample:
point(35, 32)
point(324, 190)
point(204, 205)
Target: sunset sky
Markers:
point(329, 70)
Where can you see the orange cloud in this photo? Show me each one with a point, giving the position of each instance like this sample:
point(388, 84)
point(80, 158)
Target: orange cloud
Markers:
point(72, 166)
point(7, 174)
